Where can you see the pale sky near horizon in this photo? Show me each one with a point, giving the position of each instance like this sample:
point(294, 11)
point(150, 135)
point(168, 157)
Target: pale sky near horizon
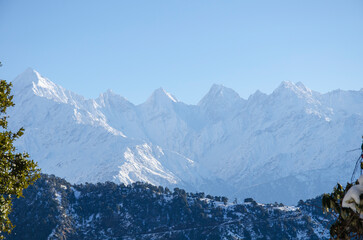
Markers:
point(135, 47)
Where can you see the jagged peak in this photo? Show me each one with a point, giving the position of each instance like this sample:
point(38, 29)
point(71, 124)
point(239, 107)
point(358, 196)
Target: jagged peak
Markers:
point(221, 90)
point(298, 88)
point(160, 95)
point(286, 85)
point(257, 95)
point(28, 71)
point(32, 82)
point(218, 92)
point(217, 87)
point(27, 77)
point(111, 96)
point(33, 77)
point(299, 91)
point(109, 92)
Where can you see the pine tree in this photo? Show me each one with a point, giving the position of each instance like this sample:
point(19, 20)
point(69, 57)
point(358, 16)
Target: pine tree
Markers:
point(17, 171)
point(349, 224)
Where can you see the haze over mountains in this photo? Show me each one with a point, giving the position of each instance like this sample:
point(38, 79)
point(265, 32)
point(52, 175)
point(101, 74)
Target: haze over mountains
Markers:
point(291, 144)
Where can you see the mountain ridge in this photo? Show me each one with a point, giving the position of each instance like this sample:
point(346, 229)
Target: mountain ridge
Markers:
point(226, 145)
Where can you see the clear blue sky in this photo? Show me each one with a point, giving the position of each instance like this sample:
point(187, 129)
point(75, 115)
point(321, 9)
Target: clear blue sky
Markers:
point(134, 47)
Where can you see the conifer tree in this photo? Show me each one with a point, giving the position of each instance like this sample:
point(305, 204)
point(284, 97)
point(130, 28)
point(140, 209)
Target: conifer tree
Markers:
point(17, 171)
point(349, 223)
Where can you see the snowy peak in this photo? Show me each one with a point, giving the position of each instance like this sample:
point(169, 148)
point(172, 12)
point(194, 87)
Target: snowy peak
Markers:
point(219, 93)
point(160, 96)
point(299, 89)
point(295, 93)
point(257, 96)
point(26, 78)
point(111, 99)
point(48, 89)
point(230, 142)
point(220, 100)
point(31, 82)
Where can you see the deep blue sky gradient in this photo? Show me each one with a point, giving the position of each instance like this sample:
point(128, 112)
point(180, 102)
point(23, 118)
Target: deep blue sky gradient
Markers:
point(134, 47)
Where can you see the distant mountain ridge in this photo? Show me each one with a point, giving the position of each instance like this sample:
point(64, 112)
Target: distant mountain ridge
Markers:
point(285, 146)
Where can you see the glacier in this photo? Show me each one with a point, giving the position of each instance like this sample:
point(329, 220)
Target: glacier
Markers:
point(281, 147)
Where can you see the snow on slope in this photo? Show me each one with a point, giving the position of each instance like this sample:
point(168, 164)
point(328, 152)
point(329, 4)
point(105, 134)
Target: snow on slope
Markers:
point(282, 147)
point(82, 140)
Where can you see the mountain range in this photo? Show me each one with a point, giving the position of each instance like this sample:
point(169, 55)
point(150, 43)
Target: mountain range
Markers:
point(285, 146)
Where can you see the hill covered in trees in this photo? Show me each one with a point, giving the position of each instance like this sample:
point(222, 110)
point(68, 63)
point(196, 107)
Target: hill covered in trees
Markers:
point(55, 209)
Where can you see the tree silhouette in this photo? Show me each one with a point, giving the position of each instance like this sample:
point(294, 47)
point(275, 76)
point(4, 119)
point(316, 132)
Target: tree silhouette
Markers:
point(17, 171)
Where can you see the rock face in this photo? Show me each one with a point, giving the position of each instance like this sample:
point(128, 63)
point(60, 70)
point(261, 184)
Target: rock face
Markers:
point(286, 146)
point(55, 209)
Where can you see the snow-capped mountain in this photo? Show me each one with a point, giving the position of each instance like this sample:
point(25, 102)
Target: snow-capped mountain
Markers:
point(285, 146)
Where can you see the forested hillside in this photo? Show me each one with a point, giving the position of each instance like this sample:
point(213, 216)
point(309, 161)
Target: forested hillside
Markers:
point(55, 209)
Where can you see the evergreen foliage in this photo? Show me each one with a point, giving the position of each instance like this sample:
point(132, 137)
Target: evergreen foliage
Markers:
point(17, 171)
point(348, 225)
point(54, 209)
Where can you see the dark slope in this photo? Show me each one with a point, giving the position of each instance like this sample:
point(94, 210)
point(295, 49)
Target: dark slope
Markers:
point(55, 209)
